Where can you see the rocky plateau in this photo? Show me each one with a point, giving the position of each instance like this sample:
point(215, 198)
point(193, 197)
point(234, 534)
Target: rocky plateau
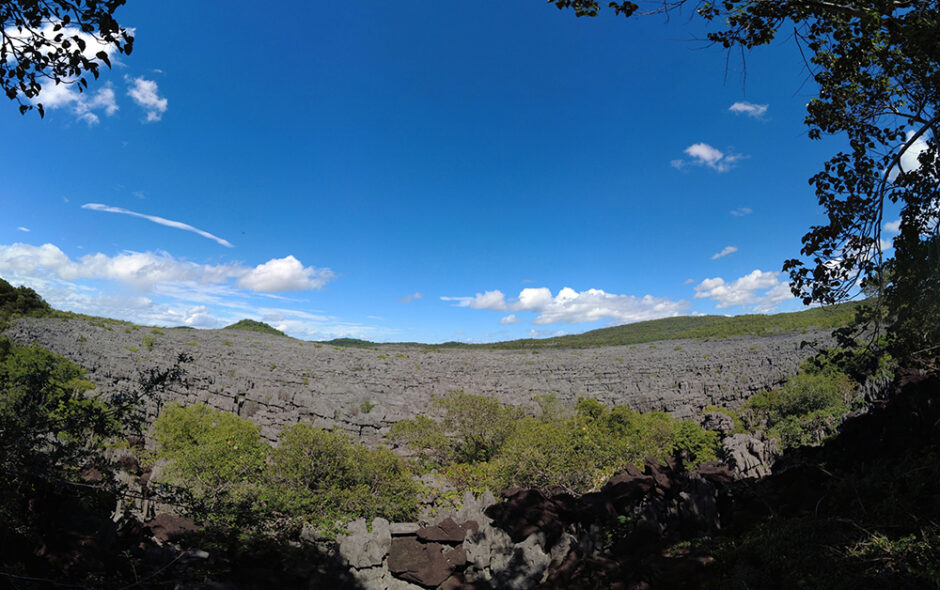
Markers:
point(277, 381)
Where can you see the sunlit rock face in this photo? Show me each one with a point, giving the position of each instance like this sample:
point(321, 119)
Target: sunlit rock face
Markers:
point(278, 381)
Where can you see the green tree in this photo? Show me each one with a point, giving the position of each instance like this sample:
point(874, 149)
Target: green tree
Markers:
point(21, 301)
point(59, 42)
point(875, 65)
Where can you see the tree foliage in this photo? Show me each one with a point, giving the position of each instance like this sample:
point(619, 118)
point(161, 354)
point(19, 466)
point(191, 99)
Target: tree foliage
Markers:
point(59, 42)
point(876, 65)
point(16, 301)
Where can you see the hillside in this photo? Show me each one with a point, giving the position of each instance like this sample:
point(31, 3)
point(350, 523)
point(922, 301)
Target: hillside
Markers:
point(710, 327)
point(254, 326)
point(697, 327)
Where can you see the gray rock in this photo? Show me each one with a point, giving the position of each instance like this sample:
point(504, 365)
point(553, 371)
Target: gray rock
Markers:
point(400, 529)
point(276, 381)
point(527, 567)
point(748, 456)
point(363, 549)
point(721, 423)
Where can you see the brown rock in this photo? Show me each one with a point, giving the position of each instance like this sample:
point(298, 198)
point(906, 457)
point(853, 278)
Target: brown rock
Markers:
point(425, 564)
point(446, 531)
point(167, 527)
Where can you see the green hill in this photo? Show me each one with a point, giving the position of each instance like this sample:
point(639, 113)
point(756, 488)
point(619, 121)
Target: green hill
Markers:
point(699, 327)
point(19, 301)
point(255, 326)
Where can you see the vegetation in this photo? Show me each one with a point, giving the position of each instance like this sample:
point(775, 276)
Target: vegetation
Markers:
point(30, 55)
point(21, 301)
point(481, 444)
point(255, 326)
point(229, 477)
point(875, 65)
point(59, 484)
point(694, 327)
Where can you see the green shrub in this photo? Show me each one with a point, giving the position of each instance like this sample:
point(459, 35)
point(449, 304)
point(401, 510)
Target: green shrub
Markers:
point(424, 436)
point(229, 477)
point(216, 457)
point(21, 300)
point(575, 450)
point(327, 479)
point(804, 411)
point(477, 424)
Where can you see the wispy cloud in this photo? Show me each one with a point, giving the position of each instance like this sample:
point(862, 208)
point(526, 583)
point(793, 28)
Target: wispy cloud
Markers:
point(741, 211)
point(21, 228)
point(509, 319)
point(761, 291)
point(703, 154)
point(412, 297)
point(755, 111)
point(893, 226)
point(147, 96)
point(724, 252)
point(159, 220)
point(570, 306)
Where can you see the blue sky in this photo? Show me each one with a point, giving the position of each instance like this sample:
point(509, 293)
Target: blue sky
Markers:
point(421, 171)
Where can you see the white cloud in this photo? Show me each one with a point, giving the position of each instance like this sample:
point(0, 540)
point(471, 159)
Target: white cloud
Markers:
point(702, 154)
point(893, 226)
point(21, 228)
point(570, 306)
point(83, 106)
point(909, 159)
point(509, 319)
point(161, 272)
point(159, 220)
point(760, 290)
point(412, 297)
point(494, 300)
point(284, 274)
point(756, 111)
point(21, 40)
point(724, 252)
point(742, 211)
point(146, 94)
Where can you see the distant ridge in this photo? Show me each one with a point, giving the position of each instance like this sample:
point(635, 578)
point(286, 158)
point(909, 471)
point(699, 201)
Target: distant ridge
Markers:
point(698, 327)
point(254, 326)
point(711, 327)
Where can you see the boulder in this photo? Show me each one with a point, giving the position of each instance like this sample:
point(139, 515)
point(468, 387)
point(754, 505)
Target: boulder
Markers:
point(720, 422)
point(363, 549)
point(748, 456)
point(447, 531)
point(425, 564)
point(169, 527)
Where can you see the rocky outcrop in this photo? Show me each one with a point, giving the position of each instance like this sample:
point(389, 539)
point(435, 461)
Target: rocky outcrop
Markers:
point(748, 456)
point(532, 539)
point(277, 381)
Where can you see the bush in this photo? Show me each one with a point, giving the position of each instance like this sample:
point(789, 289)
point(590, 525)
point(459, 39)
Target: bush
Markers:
point(805, 410)
point(560, 448)
point(326, 478)
point(18, 301)
point(473, 429)
point(228, 476)
point(216, 458)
